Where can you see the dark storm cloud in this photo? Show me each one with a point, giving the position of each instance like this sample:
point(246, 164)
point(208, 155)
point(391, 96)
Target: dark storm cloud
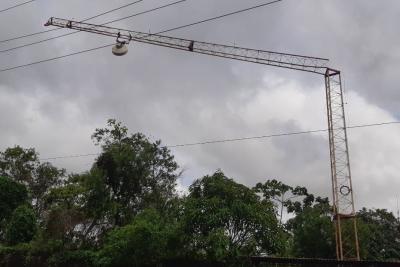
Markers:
point(181, 98)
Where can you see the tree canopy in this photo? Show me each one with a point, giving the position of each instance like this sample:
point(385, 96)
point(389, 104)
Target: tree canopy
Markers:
point(224, 218)
point(12, 195)
point(134, 172)
point(125, 211)
point(379, 232)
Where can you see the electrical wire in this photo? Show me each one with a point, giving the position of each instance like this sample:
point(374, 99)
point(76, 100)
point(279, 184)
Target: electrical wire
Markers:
point(38, 42)
point(112, 10)
point(240, 139)
point(55, 58)
point(279, 135)
point(163, 31)
point(144, 12)
point(57, 29)
point(221, 16)
point(109, 22)
point(27, 35)
point(17, 5)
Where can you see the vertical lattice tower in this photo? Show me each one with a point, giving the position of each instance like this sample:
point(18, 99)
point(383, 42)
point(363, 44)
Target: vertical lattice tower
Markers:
point(347, 247)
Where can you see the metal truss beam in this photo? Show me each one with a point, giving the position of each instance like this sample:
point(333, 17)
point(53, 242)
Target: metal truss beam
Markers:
point(347, 247)
point(282, 60)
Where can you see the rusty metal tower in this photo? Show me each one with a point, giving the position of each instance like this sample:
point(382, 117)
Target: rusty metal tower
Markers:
point(347, 247)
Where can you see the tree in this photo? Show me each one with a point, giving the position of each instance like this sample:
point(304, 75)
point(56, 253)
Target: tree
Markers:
point(304, 200)
point(23, 166)
point(277, 192)
point(134, 172)
point(146, 241)
point(223, 218)
point(45, 178)
point(130, 175)
point(65, 211)
point(94, 200)
point(12, 195)
point(312, 229)
point(19, 164)
point(379, 234)
point(282, 196)
point(21, 227)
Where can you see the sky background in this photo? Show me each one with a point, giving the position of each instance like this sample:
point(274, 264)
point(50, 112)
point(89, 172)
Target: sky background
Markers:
point(180, 97)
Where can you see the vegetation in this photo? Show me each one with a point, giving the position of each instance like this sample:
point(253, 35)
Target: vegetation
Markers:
point(124, 211)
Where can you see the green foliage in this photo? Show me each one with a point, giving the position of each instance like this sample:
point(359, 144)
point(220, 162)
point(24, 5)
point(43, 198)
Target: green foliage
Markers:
point(276, 191)
point(95, 201)
point(224, 219)
point(294, 199)
point(64, 212)
point(273, 189)
point(124, 211)
point(144, 242)
point(18, 163)
point(379, 234)
point(45, 178)
point(130, 175)
point(313, 232)
point(85, 258)
point(22, 226)
point(135, 172)
point(12, 195)
point(23, 165)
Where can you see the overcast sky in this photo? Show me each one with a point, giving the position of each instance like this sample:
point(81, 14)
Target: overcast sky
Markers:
point(180, 97)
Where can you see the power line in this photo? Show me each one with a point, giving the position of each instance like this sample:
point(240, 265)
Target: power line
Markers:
point(239, 139)
point(163, 31)
point(141, 13)
point(278, 135)
point(17, 5)
point(38, 42)
point(109, 22)
point(112, 10)
point(221, 16)
point(55, 58)
point(27, 35)
point(51, 30)
point(144, 12)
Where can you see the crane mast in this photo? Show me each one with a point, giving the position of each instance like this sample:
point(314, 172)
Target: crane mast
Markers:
point(347, 247)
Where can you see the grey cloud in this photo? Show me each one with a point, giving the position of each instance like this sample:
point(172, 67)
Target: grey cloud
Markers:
point(180, 97)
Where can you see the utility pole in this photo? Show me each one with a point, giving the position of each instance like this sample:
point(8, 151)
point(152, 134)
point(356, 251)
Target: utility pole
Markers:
point(347, 247)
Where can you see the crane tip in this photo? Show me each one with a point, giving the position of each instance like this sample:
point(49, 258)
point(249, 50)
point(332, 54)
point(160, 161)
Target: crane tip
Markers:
point(49, 22)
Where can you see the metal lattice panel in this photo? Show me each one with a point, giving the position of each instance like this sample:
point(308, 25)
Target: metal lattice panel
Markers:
point(343, 200)
point(283, 60)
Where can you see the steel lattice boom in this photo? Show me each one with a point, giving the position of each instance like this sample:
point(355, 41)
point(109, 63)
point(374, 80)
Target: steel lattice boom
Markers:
point(290, 61)
point(347, 247)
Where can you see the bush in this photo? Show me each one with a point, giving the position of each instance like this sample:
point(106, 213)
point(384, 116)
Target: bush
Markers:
point(12, 195)
point(144, 242)
point(84, 258)
point(22, 226)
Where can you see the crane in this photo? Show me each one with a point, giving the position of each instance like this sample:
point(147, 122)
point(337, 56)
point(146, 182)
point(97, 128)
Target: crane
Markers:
point(344, 216)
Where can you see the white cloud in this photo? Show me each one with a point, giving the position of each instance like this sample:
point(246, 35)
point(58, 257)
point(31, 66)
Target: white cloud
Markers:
point(286, 106)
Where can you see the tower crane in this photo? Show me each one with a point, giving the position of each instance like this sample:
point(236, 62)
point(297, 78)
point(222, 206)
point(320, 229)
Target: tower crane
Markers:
point(344, 216)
